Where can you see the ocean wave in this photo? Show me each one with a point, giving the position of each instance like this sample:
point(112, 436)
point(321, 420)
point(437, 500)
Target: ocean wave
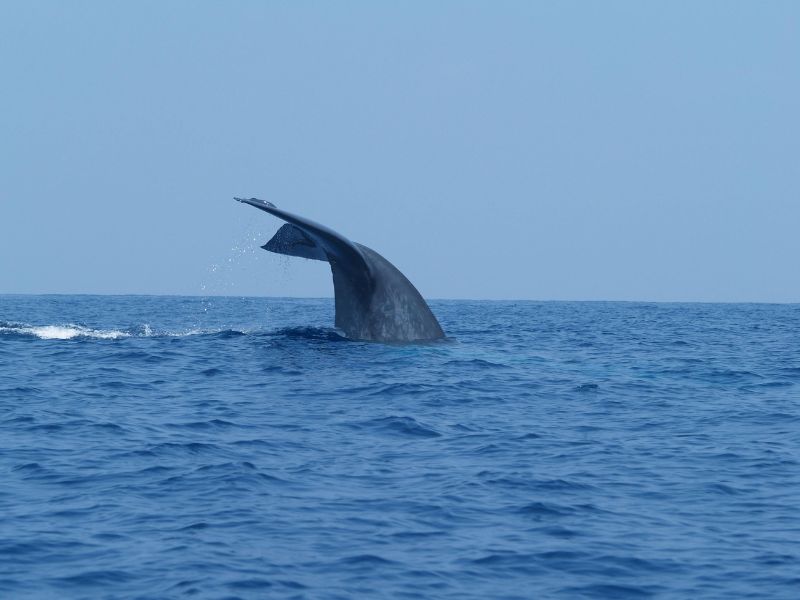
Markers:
point(70, 331)
point(61, 332)
point(396, 425)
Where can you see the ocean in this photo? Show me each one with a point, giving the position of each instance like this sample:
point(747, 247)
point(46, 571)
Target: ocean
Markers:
point(169, 447)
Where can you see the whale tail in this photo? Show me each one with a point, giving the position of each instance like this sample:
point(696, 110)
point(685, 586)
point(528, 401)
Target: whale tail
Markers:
point(291, 240)
point(374, 300)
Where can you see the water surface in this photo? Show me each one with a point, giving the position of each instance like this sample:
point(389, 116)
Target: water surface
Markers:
point(160, 447)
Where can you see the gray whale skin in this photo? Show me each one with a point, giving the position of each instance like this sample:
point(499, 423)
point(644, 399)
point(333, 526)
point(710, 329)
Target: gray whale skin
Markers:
point(374, 300)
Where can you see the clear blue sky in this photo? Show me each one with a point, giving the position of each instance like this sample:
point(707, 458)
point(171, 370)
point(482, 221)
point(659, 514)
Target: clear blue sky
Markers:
point(551, 150)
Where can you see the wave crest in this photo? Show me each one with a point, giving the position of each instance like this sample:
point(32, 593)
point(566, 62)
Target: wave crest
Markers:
point(62, 332)
point(72, 331)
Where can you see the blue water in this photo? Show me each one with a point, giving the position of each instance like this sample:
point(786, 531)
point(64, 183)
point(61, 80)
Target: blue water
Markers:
point(165, 447)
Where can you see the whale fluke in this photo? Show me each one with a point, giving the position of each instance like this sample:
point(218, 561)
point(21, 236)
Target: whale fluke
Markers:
point(374, 300)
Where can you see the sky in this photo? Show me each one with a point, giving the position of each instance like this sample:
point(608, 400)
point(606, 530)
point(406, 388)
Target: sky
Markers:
point(490, 150)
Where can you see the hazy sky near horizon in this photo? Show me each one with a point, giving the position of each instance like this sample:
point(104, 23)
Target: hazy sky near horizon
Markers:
point(541, 150)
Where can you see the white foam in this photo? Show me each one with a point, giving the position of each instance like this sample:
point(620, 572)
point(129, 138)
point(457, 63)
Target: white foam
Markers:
point(65, 332)
point(71, 331)
point(189, 332)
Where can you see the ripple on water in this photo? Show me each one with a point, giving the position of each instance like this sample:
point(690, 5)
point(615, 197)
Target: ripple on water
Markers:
point(395, 426)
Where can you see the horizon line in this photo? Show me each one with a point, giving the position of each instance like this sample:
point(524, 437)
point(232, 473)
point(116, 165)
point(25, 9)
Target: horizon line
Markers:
point(432, 299)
